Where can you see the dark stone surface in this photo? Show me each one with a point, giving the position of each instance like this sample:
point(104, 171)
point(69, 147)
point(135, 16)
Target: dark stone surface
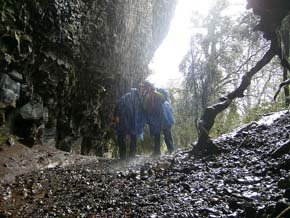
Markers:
point(239, 182)
point(75, 58)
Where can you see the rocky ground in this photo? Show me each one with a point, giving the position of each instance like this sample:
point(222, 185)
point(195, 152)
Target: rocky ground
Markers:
point(250, 178)
point(16, 159)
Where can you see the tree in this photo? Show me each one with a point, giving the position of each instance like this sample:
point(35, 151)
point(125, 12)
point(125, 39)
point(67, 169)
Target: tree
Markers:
point(213, 64)
point(272, 14)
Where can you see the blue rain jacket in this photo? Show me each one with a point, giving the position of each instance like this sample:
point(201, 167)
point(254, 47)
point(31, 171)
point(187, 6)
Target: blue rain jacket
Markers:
point(167, 107)
point(159, 114)
point(168, 113)
point(165, 93)
point(131, 115)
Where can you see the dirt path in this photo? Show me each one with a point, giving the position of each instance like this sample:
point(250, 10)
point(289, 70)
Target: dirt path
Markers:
point(243, 181)
point(18, 159)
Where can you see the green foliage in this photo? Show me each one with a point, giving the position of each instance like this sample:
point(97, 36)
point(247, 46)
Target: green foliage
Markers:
point(184, 131)
point(226, 121)
point(256, 112)
point(214, 66)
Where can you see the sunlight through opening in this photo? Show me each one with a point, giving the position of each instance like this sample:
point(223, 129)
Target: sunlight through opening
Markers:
point(164, 65)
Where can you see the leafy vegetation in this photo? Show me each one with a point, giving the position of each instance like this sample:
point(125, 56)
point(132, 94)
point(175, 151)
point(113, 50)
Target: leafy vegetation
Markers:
point(219, 55)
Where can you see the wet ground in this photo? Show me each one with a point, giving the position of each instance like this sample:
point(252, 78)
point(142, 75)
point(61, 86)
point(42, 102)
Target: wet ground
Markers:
point(16, 159)
point(248, 179)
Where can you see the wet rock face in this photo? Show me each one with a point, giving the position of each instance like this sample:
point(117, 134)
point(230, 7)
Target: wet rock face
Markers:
point(271, 15)
point(69, 61)
point(243, 181)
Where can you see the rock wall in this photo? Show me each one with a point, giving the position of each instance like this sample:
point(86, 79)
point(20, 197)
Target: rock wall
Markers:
point(63, 64)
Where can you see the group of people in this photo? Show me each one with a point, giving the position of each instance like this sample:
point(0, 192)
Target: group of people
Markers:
point(140, 106)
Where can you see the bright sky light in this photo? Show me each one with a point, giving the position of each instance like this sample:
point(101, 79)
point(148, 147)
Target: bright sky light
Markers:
point(169, 55)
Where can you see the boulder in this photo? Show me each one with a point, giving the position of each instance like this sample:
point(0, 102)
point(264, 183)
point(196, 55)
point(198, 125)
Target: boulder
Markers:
point(9, 90)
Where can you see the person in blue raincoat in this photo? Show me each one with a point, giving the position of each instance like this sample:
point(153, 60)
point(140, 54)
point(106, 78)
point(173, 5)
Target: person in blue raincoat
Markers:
point(159, 116)
point(129, 121)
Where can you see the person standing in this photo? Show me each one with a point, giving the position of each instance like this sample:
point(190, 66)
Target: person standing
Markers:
point(129, 121)
point(159, 116)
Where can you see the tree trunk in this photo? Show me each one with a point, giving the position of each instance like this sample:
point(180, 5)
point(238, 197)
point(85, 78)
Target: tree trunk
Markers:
point(205, 146)
point(285, 39)
point(286, 88)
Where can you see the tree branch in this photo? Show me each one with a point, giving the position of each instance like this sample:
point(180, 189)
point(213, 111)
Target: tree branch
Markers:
point(205, 145)
point(282, 84)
